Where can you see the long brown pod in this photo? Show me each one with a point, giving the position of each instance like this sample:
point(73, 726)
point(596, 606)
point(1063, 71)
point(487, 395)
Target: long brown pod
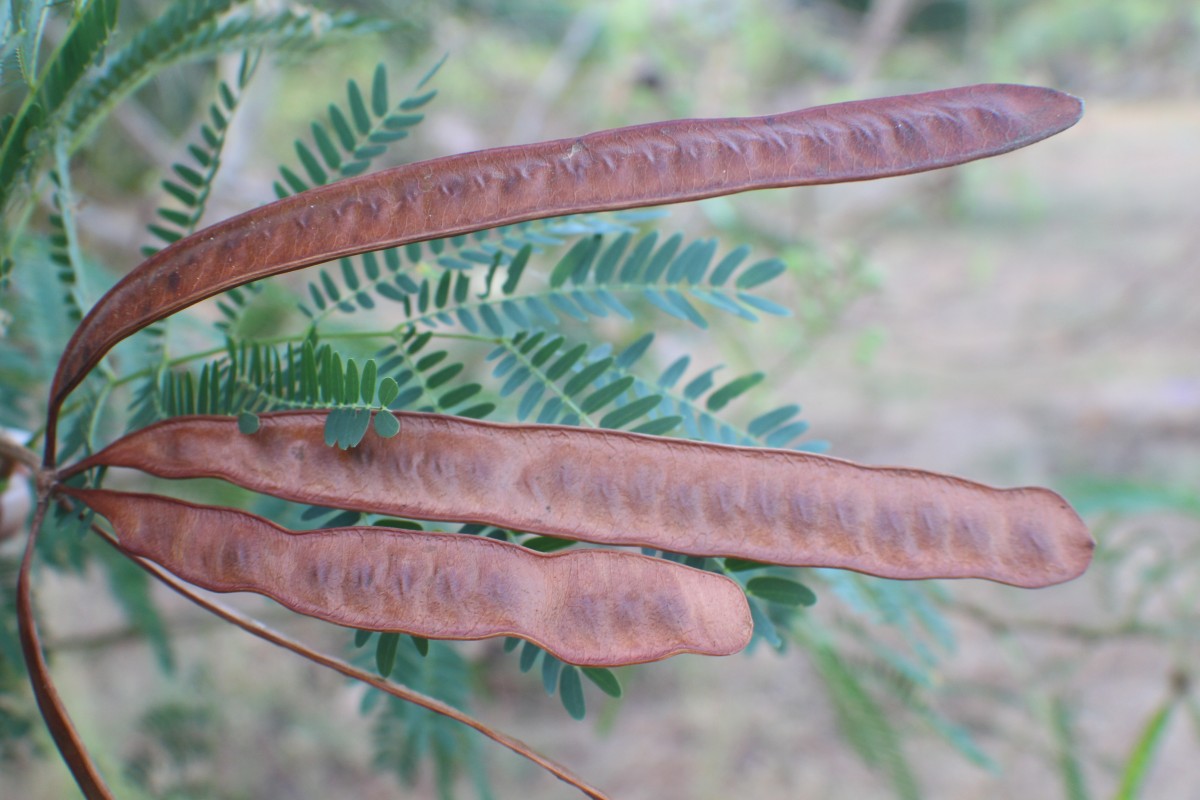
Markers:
point(662, 162)
point(619, 488)
point(256, 628)
point(587, 607)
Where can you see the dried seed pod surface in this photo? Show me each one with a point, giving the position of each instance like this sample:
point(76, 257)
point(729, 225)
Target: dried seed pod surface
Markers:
point(618, 488)
point(587, 607)
point(665, 162)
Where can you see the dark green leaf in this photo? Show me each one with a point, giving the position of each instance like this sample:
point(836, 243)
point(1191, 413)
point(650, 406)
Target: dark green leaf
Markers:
point(781, 590)
point(763, 304)
point(659, 427)
point(605, 678)
point(692, 263)
point(515, 380)
point(607, 265)
point(721, 397)
point(570, 691)
point(771, 420)
point(458, 395)
point(386, 424)
point(358, 109)
point(516, 268)
point(419, 100)
point(637, 259)
point(660, 260)
point(325, 145)
point(316, 173)
point(185, 196)
point(491, 320)
point(550, 670)
point(782, 436)
point(742, 565)
point(760, 273)
point(385, 653)
point(724, 303)
point(603, 396)
point(623, 415)
point(368, 381)
point(443, 376)
point(190, 175)
point(577, 261)
point(353, 385)
point(341, 129)
point(175, 217)
point(727, 265)
point(700, 384)
point(562, 303)
point(586, 376)
point(673, 373)
point(529, 656)
point(478, 411)
point(631, 354)
point(388, 390)
point(379, 93)
point(547, 544)
point(529, 400)
point(565, 362)
point(356, 423)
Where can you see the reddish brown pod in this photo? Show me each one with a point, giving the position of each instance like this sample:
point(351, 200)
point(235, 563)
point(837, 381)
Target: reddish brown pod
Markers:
point(617, 488)
point(586, 607)
point(644, 165)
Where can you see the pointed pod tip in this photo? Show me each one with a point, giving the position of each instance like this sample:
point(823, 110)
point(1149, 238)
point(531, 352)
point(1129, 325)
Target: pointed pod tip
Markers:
point(1046, 111)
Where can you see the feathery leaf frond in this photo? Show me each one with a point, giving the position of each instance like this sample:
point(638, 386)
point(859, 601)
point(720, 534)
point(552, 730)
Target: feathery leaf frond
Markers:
point(192, 184)
point(355, 134)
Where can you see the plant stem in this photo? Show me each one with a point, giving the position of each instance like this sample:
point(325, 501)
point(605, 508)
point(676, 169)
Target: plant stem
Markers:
point(66, 738)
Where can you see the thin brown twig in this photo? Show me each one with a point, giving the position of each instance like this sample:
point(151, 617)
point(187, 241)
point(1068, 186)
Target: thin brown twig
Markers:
point(49, 703)
point(12, 451)
point(256, 628)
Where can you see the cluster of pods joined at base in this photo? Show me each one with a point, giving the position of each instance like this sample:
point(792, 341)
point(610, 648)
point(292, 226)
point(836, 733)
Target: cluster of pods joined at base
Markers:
point(601, 486)
point(605, 487)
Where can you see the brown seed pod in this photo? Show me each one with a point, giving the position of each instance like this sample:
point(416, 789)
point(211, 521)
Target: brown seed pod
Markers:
point(586, 607)
point(619, 488)
point(662, 162)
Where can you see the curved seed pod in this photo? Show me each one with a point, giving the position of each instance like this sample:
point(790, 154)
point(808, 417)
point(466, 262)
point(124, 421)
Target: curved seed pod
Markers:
point(619, 488)
point(666, 162)
point(256, 628)
point(587, 607)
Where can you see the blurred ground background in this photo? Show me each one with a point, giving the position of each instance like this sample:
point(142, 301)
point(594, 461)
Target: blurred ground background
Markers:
point(1030, 319)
